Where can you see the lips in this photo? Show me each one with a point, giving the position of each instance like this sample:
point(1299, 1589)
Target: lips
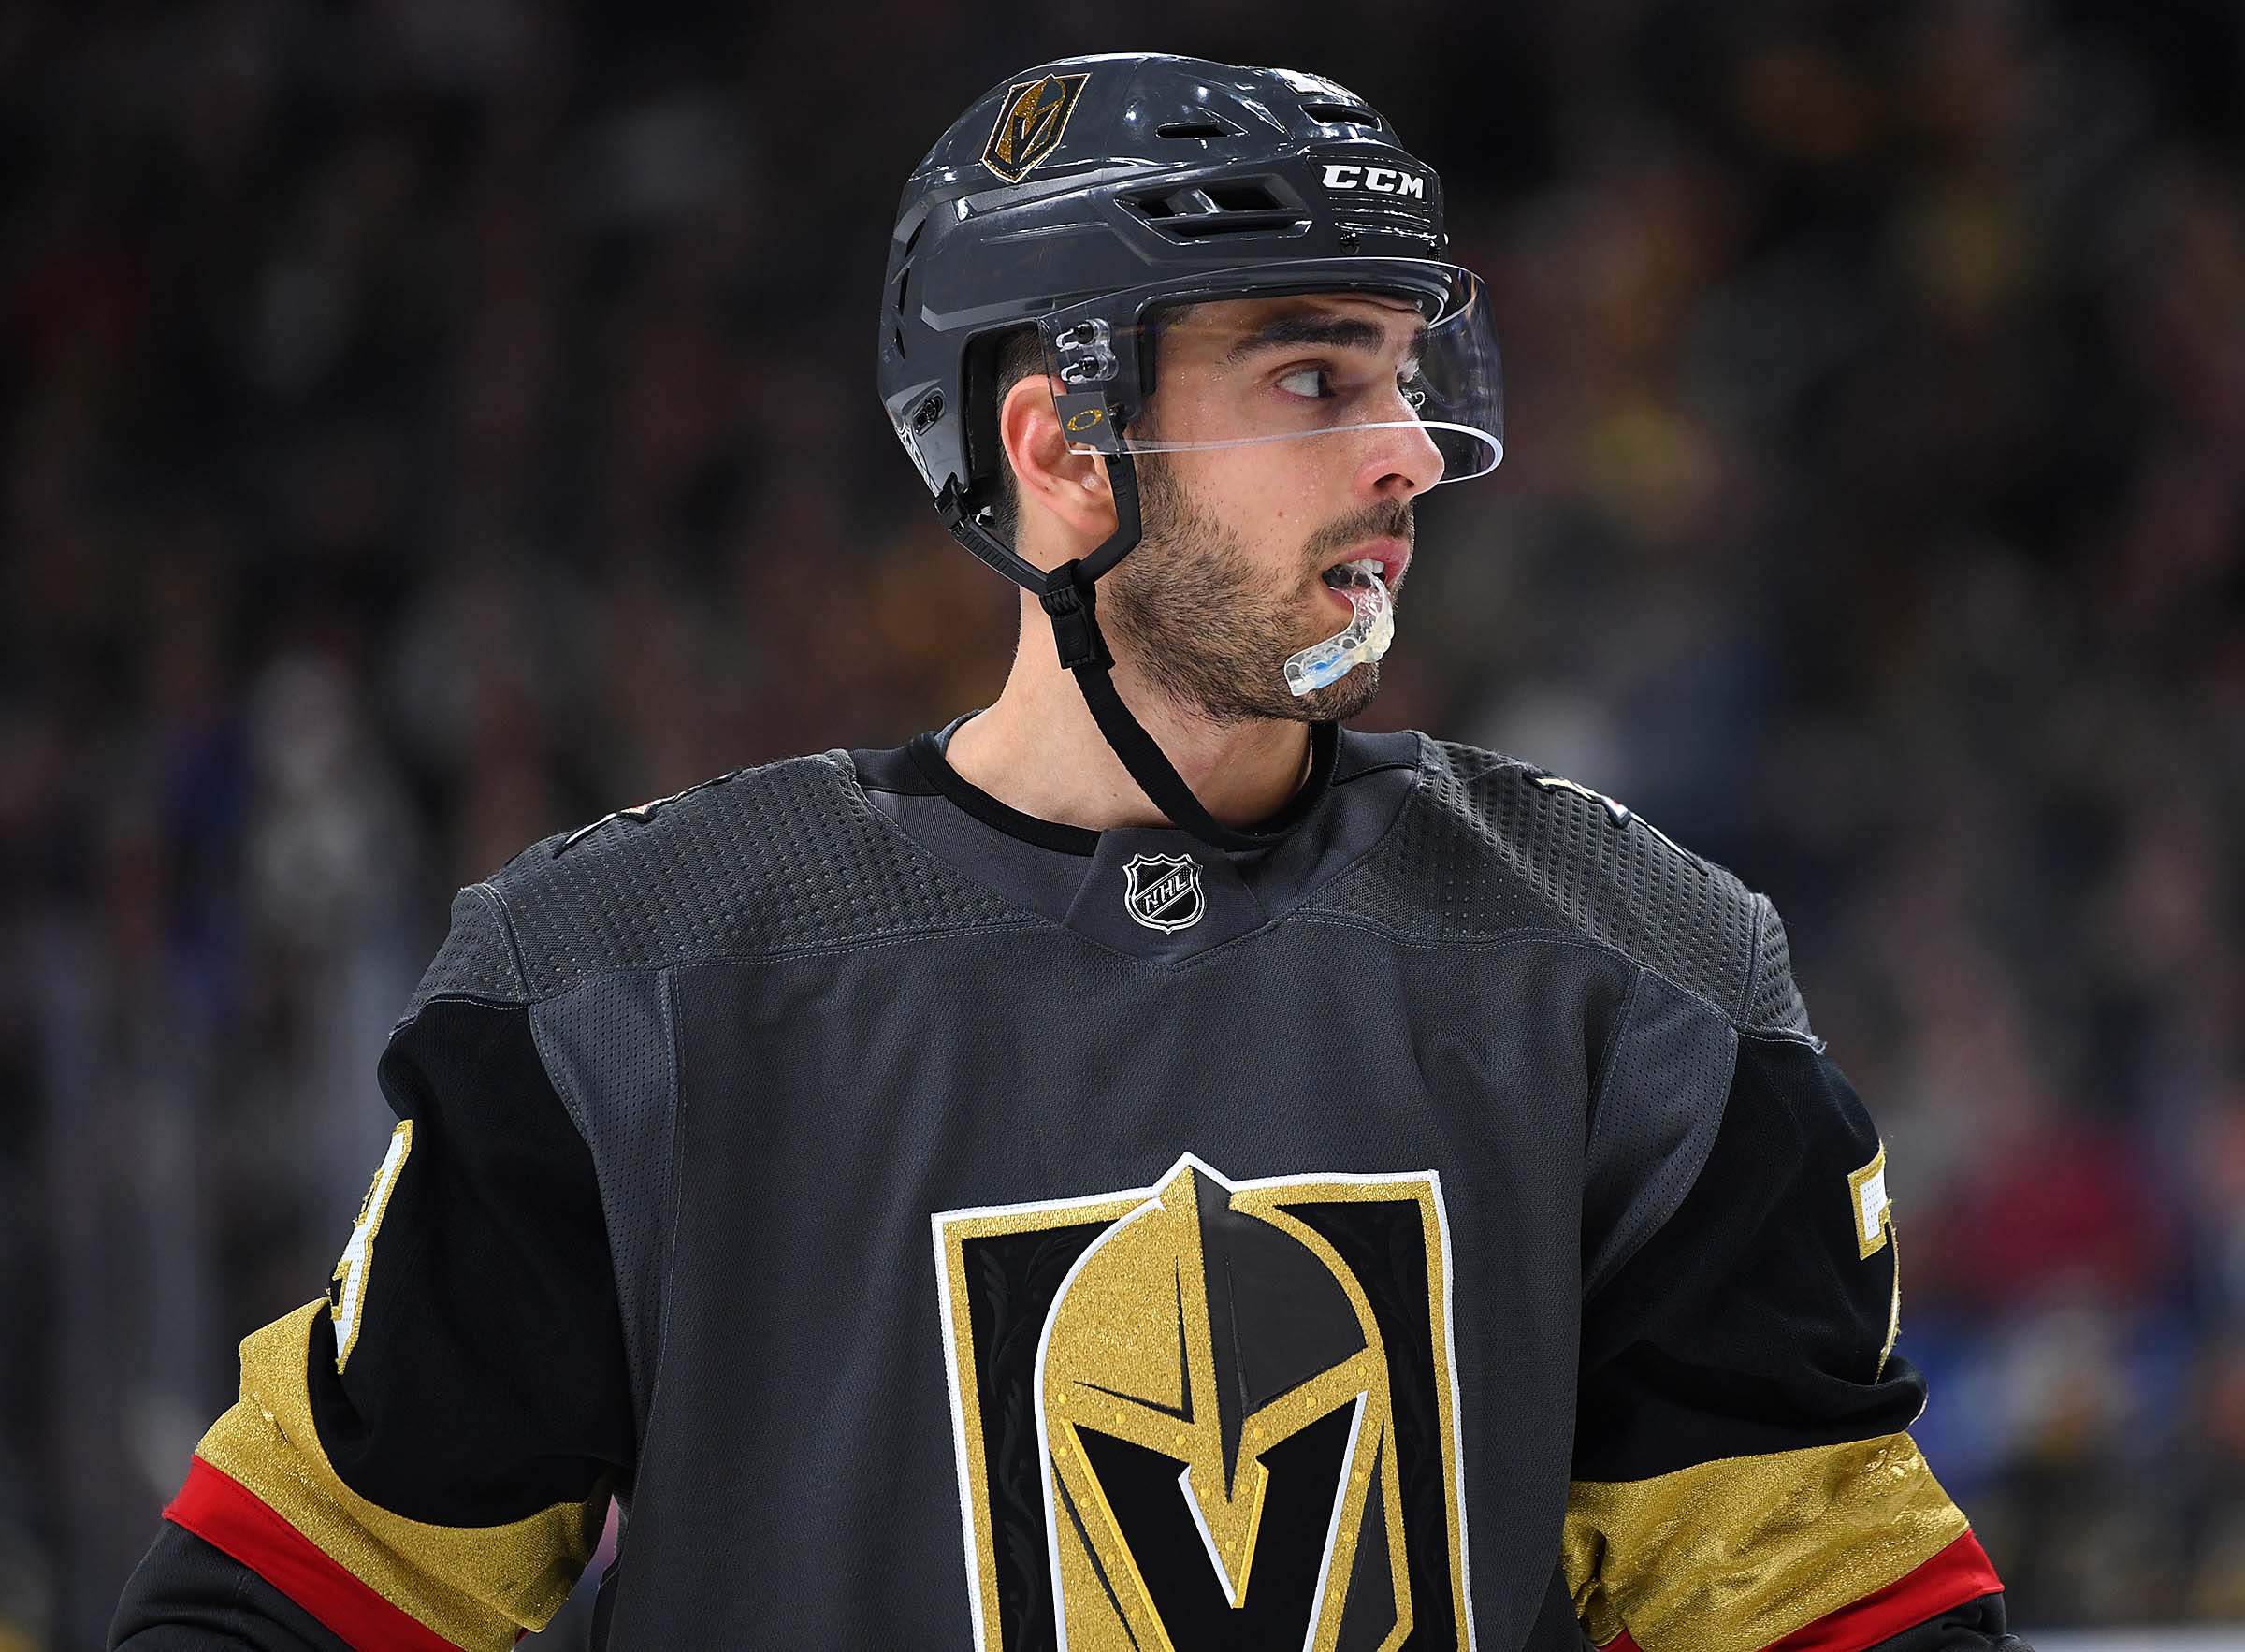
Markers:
point(1392, 556)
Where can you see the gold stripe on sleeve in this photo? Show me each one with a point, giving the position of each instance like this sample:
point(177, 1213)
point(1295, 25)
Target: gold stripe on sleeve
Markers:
point(1732, 1554)
point(474, 1586)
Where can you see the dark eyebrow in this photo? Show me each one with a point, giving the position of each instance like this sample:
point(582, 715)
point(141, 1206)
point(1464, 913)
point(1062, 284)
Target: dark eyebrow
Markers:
point(1333, 331)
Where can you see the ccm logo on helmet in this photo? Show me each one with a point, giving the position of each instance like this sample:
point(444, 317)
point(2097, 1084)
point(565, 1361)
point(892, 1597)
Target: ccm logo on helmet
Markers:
point(1379, 180)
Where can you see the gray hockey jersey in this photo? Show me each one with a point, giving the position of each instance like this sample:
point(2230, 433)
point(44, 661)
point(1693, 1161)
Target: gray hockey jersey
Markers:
point(937, 1227)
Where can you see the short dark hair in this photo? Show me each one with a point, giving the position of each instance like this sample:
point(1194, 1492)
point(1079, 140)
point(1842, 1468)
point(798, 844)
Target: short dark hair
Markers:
point(1014, 356)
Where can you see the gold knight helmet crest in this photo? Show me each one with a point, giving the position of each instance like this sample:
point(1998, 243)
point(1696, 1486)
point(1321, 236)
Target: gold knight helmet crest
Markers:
point(1031, 118)
point(1146, 1368)
point(1208, 1413)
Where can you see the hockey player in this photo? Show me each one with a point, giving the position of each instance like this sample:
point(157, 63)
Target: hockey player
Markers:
point(1143, 1167)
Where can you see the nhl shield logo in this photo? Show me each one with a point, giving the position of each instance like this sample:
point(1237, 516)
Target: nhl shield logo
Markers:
point(1163, 891)
point(1029, 122)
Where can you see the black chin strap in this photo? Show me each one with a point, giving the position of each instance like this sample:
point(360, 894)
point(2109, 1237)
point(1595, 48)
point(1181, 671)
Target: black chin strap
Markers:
point(1068, 599)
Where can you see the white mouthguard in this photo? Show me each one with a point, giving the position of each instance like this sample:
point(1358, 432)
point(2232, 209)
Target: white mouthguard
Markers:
point(1367, 636)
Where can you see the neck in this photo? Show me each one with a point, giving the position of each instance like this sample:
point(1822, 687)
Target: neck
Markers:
point(1038, 749)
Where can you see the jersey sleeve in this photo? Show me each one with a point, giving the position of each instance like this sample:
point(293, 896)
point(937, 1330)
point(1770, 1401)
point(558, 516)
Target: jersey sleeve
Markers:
point(422, 1457)
point(1744, 1475)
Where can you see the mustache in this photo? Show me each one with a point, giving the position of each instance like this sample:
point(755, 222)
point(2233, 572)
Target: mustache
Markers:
point(1389, 519)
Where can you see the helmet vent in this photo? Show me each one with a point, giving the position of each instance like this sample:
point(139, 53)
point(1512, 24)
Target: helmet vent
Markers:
point(1242, 198)
point(1342, 114)
point(1224, 207)
point(1205, 127)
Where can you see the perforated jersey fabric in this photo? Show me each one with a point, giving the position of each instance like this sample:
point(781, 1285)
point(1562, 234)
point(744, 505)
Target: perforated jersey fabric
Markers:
point(610, 1047)
point(1774, 1005)
point(1486, 850)
point(477, 959)
point(766, 860)
point(792, 855)
point(1651, 1121)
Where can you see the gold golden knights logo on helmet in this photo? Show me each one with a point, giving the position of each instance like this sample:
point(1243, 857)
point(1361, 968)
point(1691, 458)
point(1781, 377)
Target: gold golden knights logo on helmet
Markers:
point(1208, 1415)
point(1029, 122)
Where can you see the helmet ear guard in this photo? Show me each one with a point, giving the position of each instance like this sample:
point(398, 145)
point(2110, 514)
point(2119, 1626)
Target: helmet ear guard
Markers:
point(963, 504)
point(980, 395)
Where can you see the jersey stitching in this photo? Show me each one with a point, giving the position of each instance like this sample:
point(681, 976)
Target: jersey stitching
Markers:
point(1736, 1018)
point(497, 901)
point(480, 1000)
point(1783, 1035)
point(1761, 911)
point(774, 955)
point(1431, 752)
point(1766, 908)
point(1294, 912)
point(672, 1217)
point(1269, 924)
point(1606, 1056)
point(1613, 1269)
point(1555, 937)
point(1416, 762)
point(841, 773)
point(573, 1105)
point(855, 793)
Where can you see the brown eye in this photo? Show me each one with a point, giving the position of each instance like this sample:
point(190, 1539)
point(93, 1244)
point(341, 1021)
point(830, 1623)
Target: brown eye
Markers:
point(1308, 383)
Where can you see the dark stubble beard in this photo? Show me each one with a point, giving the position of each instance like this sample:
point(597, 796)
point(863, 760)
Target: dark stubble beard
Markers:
point(1205, 631)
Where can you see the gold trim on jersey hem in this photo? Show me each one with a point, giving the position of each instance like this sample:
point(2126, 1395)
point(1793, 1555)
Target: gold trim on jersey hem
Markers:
point(475, 1585)
point(1735, 1555)
point(1885, 1350)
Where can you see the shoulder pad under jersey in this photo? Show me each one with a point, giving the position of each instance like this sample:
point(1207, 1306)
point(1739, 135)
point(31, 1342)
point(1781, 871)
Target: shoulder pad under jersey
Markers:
point(787, 856)
point(1490, 846)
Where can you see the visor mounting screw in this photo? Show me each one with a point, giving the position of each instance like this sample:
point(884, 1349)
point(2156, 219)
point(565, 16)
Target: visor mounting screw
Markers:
point(1086, 356)
point(1350, 240)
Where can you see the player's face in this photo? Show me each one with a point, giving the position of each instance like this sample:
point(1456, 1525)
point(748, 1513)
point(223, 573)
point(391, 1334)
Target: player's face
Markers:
point(1228, 581)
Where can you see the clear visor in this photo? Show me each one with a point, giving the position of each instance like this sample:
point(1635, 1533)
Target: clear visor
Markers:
point(1327, 355)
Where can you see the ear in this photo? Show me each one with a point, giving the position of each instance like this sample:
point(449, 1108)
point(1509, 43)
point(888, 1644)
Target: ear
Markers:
point(1067, 485)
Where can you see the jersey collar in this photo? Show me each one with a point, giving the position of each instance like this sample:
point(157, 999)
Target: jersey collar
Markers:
point(1152, 893)
point(926, 752)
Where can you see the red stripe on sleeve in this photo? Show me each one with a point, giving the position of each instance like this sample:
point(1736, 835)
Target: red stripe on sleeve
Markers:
point(229, 1516)
point(1958, 1573)
point(1620, 1643)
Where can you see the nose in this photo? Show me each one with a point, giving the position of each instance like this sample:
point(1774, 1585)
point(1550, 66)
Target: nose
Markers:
point(1400, 458)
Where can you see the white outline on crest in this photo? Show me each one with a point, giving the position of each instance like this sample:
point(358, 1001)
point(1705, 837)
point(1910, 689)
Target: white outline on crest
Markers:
point(1185, 864)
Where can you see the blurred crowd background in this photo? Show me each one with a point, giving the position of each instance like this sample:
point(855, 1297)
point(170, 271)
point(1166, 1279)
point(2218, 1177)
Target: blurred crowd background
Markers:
point(430, 424)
